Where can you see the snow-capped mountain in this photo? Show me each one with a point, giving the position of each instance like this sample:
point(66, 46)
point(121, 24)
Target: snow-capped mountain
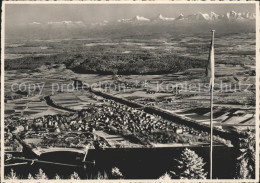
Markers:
point(198, 16)
point(104, 23)
point(180, 17)
point(193, 18)
point(35, 23)
point(66, 23)
point(231, 22)
point(160, 17)
point(237, 16)
point(232, 15)
point(123, 20)
point(213, 16)
point(240, 16)
point(204, 16)
point(157, 22)
point(140, 18)
point(137, 18)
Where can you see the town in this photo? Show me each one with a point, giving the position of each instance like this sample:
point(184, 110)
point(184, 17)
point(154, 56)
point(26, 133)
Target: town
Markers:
point(148, 97)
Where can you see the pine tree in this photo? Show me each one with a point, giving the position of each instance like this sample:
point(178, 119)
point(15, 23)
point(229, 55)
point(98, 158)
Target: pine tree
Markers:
point(57, 177)
point(12, 175)
point(246, 158)
point(30, 177)
point(243, 172)
point(74, 176)
point(165, 177)
point(190, 166)
point(116, 174)
point(101, 176)
point(40, 175)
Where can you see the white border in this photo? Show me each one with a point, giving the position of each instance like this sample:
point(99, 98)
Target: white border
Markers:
point(130, 2)
point(2, 89)
point(257, 88)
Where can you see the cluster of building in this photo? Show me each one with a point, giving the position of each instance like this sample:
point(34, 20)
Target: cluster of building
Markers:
point(126, 120)
point(77, 129)
point(66, 130)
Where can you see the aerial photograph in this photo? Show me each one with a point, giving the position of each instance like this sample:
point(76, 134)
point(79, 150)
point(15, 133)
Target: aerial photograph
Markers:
point(136, 91)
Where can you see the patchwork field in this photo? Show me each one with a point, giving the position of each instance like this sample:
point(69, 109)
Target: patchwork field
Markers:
point(166, 71)
point(75, 101)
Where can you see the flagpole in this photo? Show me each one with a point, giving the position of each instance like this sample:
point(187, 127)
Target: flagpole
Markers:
point(211, 107)
point(211, 129)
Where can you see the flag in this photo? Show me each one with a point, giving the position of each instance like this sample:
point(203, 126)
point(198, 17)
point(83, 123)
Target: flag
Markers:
point(210, 70)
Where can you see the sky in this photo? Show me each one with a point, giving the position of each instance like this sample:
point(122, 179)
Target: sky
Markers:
point(21, 14)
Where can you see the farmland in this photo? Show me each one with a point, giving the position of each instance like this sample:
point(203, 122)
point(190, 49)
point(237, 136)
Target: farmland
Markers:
point(131, 56)
point(166, 72)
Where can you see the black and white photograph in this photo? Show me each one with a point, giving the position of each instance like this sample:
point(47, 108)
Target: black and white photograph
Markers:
point(129, 90)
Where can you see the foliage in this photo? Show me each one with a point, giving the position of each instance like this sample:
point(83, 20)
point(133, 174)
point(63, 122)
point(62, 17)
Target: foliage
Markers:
point(101, 176)
point(30, 177)
point(246, 158)
point(116, 173)
point(12, 175)
point(165, 177)
point(143, 63)
point(57, 177)
point(40, 175)
point(75, 176)
point(189, 166)
point(134, 64)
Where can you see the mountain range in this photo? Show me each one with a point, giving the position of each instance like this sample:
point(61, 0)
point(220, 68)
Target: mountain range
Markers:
point(212, 16)
point(230, 22)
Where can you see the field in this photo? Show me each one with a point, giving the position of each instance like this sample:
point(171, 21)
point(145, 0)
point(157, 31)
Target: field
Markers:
point(130, 55)
point(75, 101)
point(166, 72)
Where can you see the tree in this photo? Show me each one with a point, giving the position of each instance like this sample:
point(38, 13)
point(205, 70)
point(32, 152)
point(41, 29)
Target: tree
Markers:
point(12, 175)
point(165, 177)
point(30, 177)
point(116, 173)
point(75, 176)
point(189, 166)
point(101, 176)
point(40, 175)
point(57, 177)
point(246, 158)
point(242, 171)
